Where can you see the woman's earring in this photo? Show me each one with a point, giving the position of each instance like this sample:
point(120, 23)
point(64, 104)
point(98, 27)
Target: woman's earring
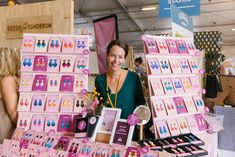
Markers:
point(123, 65)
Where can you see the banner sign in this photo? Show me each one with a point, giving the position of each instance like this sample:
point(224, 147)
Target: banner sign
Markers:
point(182, 24)
point(105, 31)
point(190, 7)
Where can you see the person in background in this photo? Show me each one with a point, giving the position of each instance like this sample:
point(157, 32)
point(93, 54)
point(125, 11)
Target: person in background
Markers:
point(228, 66)
point(9, 83)
point(138, 69)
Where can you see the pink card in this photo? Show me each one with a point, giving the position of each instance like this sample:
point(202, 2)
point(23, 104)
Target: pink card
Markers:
point(82, 45)
point(199, 103)
point(66, 104)
point(66, 83)
point(80, 104)
point(191, 47)
point(53, 83)
point(177, 84)
point(28, 43)
point(189, 103)
point(167, 86)
point(170, 106)
point(184, 66)
point(40, 63)
point(37, 122)
point(151, 45)
point(181, 46)
point(24, 102)
point(172, 46)
point(67, 63)
point(54, 44)
point(24, 120)
point(51, 123)
point(194, 65)
point(81, 64)
point(65, 123)
point(154, 66)
point(183, 125)
point(180, 105)
point(175, 66)
point(52, 103)
point(156, 86)
point(38, 102)
point(195, 83)
point(162, 46)
point(202, 126)
point(41, 44)
point(161, 128)
point(186, 84)
point(53, 64)
point(192, 123)
point(164, 65)
point(40, 83)
point(80, 83)
point(27, 63)
point(26, 82)
point(159, 107)
point(173, 127)
point(68, 44)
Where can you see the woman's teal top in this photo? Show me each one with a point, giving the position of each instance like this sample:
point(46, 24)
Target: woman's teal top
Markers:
point(129, 96)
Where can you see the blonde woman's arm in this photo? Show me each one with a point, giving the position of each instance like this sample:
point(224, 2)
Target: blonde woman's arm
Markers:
point(10, 96)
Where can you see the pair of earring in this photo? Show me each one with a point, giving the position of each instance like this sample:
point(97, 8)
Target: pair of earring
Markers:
point(151, 43)
point(56, 44)
point(79, 84)
point(157, 85)
point(37, 122)
point(25, 82)
point(160, 107)
point(162, 45)
point(180, 105)
point(67, 103)
point(182, 47)
point(68, 44)
point(175, 65)
point(22, 102)
point(115, 153)
point(184, 65)
point(163, 130)
point(51, 103)
point(23, 124)
point(53, 83)
point(172, 45)
point(78, 104)
point(49, 142)
point(41, 44)
point(177, 84)
point(27, 62)
point(52, 123)
point(201, 121)
point(183, 125)
point(65, 124)
point(154, 65)
point(194, 65)
point(40, 62)
point(51, 64)
point(28, 43)
point(39, 83)
point(86, 150)
point(64, 64)
point(170, 106)
point(191, 46)
point(173, 127)
point(100, 152)
point(164, 65)
point(199, 102)
point(67, 83)
point(74, 148)
point(81, 44)
point(187, 84)
point(36, 102)
point(168, 86)
point(37, 140)
point(82, 65)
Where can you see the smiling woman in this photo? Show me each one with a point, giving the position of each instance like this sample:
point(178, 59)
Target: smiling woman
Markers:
point(119, 88)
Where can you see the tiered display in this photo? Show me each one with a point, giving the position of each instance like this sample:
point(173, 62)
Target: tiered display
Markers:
point(54, 73)
point(175, 92)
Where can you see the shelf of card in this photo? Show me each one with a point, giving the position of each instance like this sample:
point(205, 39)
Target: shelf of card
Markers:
point(54, 78)
point(173, 62)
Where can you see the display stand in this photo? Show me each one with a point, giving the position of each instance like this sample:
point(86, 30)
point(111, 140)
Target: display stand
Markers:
point(54, 75)
point(175, 93)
